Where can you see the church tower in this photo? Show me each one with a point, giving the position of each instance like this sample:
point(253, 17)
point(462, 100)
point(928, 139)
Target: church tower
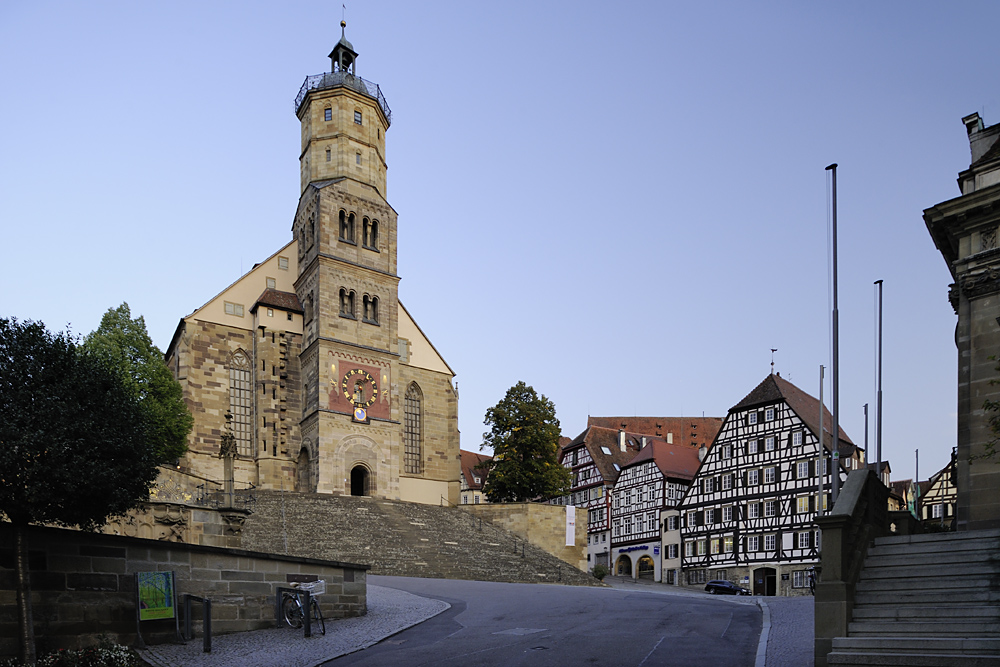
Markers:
point(347, 283)
point(330, 385)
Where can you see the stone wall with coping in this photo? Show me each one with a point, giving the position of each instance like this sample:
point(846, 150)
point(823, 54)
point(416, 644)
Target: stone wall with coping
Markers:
point(83, 585)
point(541, 525)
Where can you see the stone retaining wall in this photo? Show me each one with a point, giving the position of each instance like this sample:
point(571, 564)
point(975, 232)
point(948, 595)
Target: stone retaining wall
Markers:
point(83, 584)
point(541, 525)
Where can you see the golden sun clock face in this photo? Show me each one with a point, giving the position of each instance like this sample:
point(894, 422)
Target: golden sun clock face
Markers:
point(359, 388)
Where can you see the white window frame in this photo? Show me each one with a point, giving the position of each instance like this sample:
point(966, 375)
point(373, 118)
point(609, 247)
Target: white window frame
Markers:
point(802, 470)
point(769, 475)
point(770, 542)
point(752, 417)
point(802, 505)
point(769, 415)
point(752, 446)
point(769, 443)
point(727, 482)
point(797, 438)
point(727, 514)
point(753, 543)
point(770, 508)
point(753, 511)
point(753, 477)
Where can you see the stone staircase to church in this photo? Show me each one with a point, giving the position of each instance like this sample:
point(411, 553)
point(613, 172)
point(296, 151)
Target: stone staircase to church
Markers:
point(400, 538)
point(927, 601)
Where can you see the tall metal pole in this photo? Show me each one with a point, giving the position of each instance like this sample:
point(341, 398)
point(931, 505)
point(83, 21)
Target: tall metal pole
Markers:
point(878, 385)
point(822, 455)
point(866, 434)
point(835, 431)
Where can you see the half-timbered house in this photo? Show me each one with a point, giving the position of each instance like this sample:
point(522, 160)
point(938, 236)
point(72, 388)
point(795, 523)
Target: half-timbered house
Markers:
point(649, 487)
point(748, 515)
point(937, 503)
point(473, 477)
point(595, 459)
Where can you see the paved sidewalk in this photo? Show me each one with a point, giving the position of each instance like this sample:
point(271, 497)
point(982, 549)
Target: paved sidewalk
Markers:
point(389, 611)
point(790, 640)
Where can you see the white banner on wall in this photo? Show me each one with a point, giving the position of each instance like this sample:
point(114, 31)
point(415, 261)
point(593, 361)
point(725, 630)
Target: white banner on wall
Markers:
point(570, 526)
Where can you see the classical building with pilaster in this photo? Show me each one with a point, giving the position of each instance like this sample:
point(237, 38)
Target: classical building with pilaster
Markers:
point(964, 230)
point(309, 359)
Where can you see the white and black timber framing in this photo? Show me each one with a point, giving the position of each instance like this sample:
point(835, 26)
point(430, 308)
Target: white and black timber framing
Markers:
point(753, 500)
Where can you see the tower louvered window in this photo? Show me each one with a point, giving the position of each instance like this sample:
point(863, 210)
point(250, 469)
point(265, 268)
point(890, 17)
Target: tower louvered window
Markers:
point(239, 402)
point(412, 458)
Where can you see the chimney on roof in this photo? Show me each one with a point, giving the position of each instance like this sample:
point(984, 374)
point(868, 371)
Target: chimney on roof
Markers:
point(670, 438)
point(621, 439)
point(642, 442)
point(702, 452)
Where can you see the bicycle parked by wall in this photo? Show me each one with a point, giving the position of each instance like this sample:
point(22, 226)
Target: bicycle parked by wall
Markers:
point(294, 610)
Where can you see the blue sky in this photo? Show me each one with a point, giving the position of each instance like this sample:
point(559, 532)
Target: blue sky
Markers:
point(622, 204)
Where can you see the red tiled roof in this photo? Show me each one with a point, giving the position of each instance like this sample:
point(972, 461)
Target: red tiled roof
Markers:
point(596, 439)
point(695, 431)
point(273, 298)
point(469, 461)
point(677, 461)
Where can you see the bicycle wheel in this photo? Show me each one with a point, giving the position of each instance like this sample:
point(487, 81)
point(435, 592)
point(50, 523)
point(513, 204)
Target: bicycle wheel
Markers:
point(318, 624)
point(291, 608)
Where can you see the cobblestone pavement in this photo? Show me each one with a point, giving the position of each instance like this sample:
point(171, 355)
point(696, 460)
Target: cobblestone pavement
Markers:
point(389, 611)
point(790, 640)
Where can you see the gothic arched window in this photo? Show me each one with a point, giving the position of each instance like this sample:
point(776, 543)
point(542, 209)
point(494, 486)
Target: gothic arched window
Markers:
point(373, 236)
point(343, 226)
point(412, 433)
point(350, 228)
point(346, 303)
point(240, 406)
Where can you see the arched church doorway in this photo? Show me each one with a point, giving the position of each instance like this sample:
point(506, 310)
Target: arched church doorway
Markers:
point(623, 566)
point(645, 567)
point(359, 481)
point(303, 482)
point(765, 581)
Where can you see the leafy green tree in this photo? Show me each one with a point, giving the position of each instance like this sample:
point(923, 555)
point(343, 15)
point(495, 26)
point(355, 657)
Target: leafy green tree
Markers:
point(524, 436)
point(74, 448)
point(126, 346)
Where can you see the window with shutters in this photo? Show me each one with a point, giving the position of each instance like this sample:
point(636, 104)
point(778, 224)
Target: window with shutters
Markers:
point(727, 544)
point(752, 447)
point(753, 543)
point(412, 431)
point(709, 517)
point(727, 514)
point(769, 443)
point(771, 508)
point(753, 477)
point(727, 482)
point(671, 551)
point(714, 546)
point(797, 438)
point(770, 543)
point(802, 505)
point(753, 511)
point(702, 547)
point(804, 539)
point(769, 475)
point(689, 548)
point(240, 406)
point(672, 523)
point(709, 485)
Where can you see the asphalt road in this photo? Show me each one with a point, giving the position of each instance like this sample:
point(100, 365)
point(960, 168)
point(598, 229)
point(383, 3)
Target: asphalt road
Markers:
point(536, 624)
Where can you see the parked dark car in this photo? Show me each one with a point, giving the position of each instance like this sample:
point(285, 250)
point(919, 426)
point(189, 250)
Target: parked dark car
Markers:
point(720, 587)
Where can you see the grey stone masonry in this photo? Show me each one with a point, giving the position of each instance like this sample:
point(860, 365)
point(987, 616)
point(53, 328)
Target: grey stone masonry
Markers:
point(931, 599)
point(83, 585)
point(400, 538)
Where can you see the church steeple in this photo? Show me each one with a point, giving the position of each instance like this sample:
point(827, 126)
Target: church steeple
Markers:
point(343, 55)
point(344, 120)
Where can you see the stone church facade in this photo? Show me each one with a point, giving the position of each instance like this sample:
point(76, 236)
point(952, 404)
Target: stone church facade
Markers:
point(310, 360)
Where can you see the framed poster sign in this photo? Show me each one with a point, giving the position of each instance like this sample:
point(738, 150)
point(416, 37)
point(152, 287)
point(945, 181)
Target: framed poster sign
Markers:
point(155, 592)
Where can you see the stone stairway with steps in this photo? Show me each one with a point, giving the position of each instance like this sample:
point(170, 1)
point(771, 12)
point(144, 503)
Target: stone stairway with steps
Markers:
point(400, 538)
point(926, 601)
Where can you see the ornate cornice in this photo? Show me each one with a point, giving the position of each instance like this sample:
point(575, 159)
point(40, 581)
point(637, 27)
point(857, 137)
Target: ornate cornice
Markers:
point(975, 285)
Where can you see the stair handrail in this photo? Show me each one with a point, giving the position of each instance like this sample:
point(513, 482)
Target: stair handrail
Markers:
point(500, 533)
point(860, 515)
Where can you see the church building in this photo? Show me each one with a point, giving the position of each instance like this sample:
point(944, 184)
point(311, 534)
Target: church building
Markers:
point(310, 360)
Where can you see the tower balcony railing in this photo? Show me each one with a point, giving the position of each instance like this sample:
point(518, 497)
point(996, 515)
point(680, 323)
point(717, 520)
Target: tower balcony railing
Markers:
point(334, 79)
